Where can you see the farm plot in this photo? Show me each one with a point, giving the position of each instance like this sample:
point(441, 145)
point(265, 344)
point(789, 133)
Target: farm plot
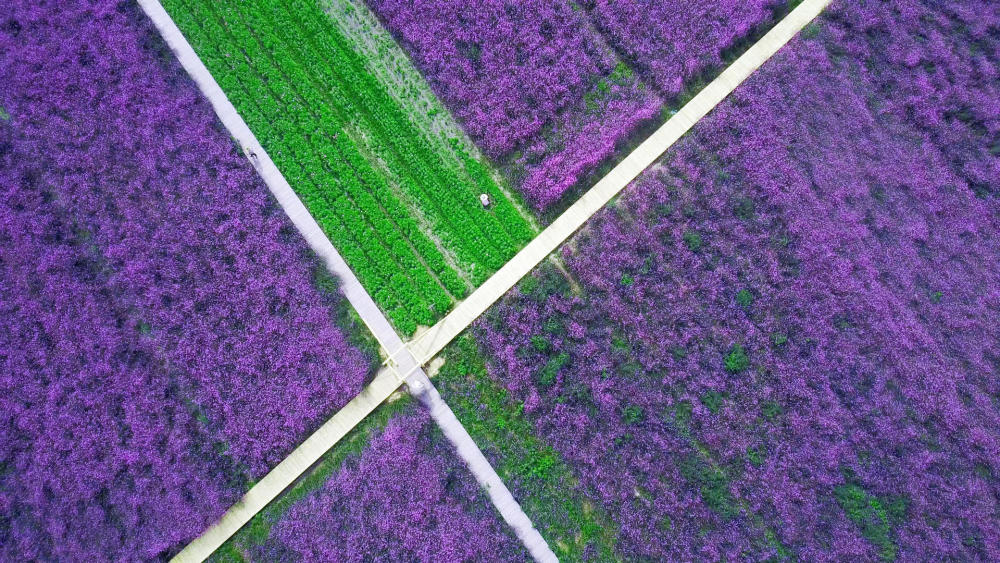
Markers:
point(554, 92)
point(392, 490)
point(780, 341)
point(404, 213)
point(387, 61)
point(531, 82)
point(165, 337)
point(540, 480)
point(678, 46)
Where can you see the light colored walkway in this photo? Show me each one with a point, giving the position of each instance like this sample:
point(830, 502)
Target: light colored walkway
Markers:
point(404, 363)
point(431, 342)
point(480, 467)
point(401, 365)
point(293, 466)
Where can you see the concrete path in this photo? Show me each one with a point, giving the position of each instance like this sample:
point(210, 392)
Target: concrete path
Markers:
point(431, 342)
point(401, 365)
point(291, 468)
point(421, 387)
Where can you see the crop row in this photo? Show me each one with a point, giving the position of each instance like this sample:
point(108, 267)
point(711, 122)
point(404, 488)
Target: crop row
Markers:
point(532, 83)
point(447, 196)
point(387, 60)
point(356, 160)
point(382, 212)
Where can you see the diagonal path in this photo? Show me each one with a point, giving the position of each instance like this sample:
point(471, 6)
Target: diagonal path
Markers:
point(405, 362)
point(431, 342)
point(291, 468)
point(420, 386)
point(401, 365)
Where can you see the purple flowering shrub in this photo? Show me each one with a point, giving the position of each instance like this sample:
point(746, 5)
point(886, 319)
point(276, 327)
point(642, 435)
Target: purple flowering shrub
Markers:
point(945, 83)
point(164, 338)
point(531, 82)
point(99, 452)
point(583, 137)
point(405, 497)
point(505, 69)
point(674, 42)
point(782, 340)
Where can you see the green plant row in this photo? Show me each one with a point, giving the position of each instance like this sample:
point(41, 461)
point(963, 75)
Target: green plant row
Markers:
point(345, 144)
point(446, 195)
point(714, 480)
point(379, 198)
point(376, 235)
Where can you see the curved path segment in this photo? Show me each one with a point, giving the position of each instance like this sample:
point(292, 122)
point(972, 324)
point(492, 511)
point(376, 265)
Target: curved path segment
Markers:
point(404, 363)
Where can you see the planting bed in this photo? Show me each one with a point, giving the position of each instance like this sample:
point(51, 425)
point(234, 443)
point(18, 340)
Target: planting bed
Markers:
point(403, 211)
point(549, 90)
point(165, 338)
point(679, 46)
point(393, 490)
point(781, 341)
point(532, 83)
point(540, 480)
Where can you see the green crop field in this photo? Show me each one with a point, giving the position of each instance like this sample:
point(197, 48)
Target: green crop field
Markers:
point(399, 204)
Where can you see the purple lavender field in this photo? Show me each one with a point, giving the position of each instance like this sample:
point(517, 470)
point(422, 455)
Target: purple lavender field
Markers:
point(163, 336)
point(405, 496)
point(582, 137)
point(547, 88)
point(675, 42)
point(782, 341)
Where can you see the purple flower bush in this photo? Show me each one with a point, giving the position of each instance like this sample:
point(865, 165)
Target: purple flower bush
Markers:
point(582, 137)
point(406, 497)
point(164, 340)
point(782, 340)
point(99, 452)
point(946, 84)
point(505, 69)
point(674, 42)
point(531, 82)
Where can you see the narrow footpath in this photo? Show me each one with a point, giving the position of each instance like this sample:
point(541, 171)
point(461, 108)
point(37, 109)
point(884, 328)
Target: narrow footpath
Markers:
point(405, 361)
